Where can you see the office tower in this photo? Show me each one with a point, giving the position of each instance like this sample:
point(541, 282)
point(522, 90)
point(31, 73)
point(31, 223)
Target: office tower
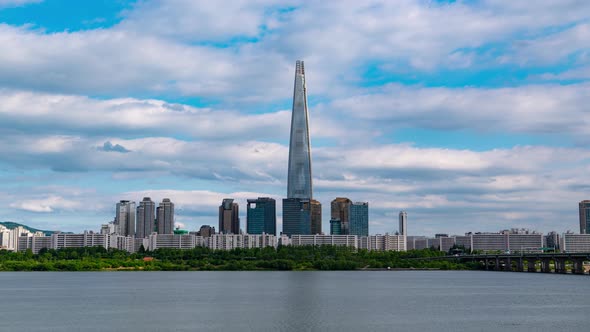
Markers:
point(340, 208)
point(206, 231)
point(403, 223)
point(296, 216)
point(584, 217)
point(125, 218)
point(316, 217)
point(229, 218)
point(299, 174)
point(261, 216)
point(297, 207)
point(145, 222)
point(335, 227)
point(359, 219)
point(165, 215)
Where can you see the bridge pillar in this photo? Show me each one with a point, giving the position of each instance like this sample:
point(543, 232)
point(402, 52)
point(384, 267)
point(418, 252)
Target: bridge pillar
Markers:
point(560, 266)
point(520, 265)
point(497, 266)
point(532, 265)
point(507, 264)
point(486, 263)
point(578, 266)
point(545, 265)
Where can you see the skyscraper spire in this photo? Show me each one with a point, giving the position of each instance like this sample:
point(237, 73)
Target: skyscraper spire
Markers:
point(299, 175)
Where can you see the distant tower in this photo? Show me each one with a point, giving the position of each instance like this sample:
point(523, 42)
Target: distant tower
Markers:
point(403, 223)
point(359, 219)
point(299, 174)
point(340, 209)
point(206, 231)
point(261, 216)
point(229, 220)
point(165, 212)
point(316, 217)
point(125, 218)
point(297, 214)
point(584, 207)
point(145, 218)
point(335, 227)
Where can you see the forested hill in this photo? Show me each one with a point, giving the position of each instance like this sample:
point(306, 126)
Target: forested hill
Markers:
point(12, 225)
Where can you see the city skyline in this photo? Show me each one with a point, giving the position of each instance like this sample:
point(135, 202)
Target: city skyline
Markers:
point(478, 128)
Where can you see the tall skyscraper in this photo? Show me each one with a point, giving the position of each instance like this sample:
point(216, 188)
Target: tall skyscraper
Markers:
point(299, 175)
point(316, 217)
point(335, 227)
point(584, 217)
point(403, 223)
point(145, 223)
point(125, 218)
point(261, 216)
point(340, 208)
point(359, 219)
point(165, 212)
point(297, 207)
point(296, 216)
point(229, 217)
point(206, 231)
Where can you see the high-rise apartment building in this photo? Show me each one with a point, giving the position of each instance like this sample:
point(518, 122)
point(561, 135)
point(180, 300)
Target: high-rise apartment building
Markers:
point(229, 217)
point(316, 217)
point(340, 209)
point(403, 223)
point(261, 216)
point(165, 215)
point(297, 205)
point(145, 221)
point(584, 207)
point(359, 219)
point(125, 218)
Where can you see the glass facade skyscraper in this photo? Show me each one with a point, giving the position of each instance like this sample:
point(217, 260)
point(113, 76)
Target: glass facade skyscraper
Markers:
point(229, 217)
point(316, 217)
point(359, 219)
point(299, 174)
point(584, 217)
point(296, 216)
point(261, 216)
point(297, 211)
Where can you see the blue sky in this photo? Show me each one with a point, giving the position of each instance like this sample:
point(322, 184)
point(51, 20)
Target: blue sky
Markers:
point(469, 115)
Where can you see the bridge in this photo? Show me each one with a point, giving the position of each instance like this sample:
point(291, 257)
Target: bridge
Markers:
point(526, 262)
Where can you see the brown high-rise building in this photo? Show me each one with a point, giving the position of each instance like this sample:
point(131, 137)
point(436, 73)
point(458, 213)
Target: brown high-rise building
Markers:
point(206, 231)
point(229, 218)
point(316, 217)
point(340, 208)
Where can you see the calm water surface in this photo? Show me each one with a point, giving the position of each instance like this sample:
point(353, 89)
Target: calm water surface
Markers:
point(294, 301)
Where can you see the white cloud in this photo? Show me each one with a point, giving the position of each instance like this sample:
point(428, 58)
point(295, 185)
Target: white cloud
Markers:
point(47, 204)
point(17, 3)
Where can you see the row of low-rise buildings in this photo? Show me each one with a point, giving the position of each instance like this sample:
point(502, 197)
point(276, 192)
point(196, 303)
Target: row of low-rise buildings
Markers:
point(472, 242)
point(505, 241)
point(216, 241)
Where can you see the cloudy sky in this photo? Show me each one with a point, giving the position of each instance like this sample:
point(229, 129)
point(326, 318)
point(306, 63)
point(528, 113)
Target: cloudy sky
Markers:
point(469, 115)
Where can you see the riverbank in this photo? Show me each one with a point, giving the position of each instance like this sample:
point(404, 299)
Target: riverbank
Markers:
point(325, 258)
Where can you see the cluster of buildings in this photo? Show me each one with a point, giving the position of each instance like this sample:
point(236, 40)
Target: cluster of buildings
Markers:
point(152, 227)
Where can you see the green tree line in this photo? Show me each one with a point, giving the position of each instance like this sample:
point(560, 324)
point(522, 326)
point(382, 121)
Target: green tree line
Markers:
point(205, 259)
